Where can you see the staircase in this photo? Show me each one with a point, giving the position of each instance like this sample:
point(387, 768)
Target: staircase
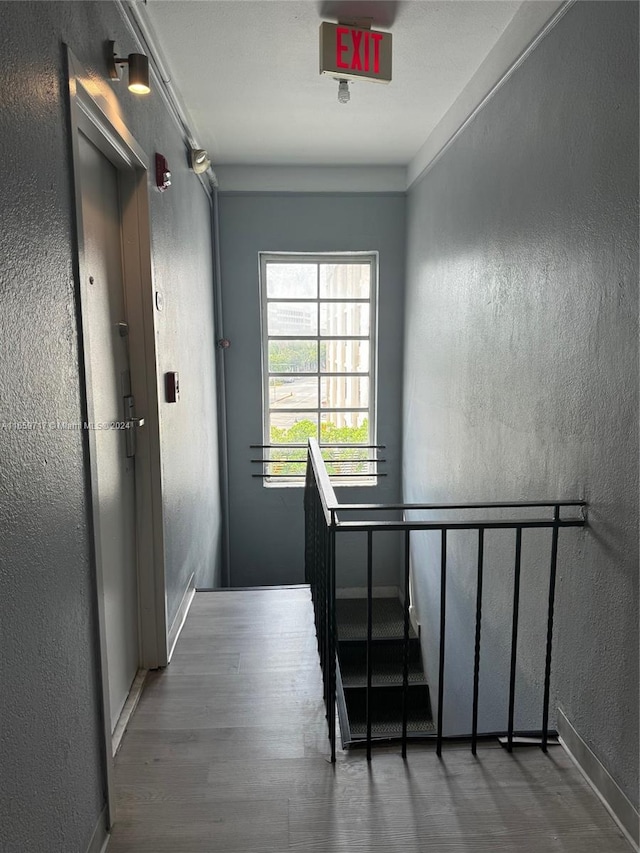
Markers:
point(387, 648)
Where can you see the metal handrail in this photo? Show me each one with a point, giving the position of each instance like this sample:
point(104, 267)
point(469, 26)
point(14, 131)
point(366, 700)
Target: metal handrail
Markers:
point(471, 524)
point(323, 523)
point(447, 506)
point(328, 497)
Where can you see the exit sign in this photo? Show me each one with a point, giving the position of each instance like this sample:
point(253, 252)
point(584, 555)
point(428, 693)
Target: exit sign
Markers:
point(352, 53)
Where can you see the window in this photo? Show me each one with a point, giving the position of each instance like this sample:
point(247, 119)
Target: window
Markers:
point(318, 358)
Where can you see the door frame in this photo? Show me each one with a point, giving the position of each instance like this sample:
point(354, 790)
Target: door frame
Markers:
point(94, 111)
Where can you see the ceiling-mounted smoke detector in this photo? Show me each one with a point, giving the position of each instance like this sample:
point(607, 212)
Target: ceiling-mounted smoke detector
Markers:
point(344, 95)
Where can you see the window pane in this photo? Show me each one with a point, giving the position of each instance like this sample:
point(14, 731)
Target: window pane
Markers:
point(283, 461)
point(345, 281)
point(292, 318)
point(344, 356)
point(298, 281)
point(344, 428)
point(293, 356)
point(348, 460)
point(344, 318)
point(289, 453)
point(318, 382)
point(344, 392)
point(292, 427)
point(288, 393)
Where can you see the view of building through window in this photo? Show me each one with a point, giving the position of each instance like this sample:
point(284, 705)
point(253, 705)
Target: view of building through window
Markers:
point(318, 362)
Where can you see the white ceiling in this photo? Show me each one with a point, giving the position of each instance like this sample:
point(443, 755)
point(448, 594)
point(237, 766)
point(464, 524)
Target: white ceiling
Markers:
point(247, 71)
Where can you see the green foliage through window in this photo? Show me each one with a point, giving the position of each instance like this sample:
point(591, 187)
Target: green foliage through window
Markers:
point(340, 460)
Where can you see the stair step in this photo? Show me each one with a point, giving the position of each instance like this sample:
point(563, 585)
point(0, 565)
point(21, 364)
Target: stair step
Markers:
point(386, 711)
point(384, 673)
point(390, 728)
point(387, 660)
point(387, 623)
point(385, 654)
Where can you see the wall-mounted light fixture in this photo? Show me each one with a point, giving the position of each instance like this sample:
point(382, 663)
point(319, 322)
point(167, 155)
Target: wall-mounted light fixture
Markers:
point(138, 65)
point(199, 160)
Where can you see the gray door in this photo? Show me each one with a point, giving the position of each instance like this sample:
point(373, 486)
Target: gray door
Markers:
point(108, 393)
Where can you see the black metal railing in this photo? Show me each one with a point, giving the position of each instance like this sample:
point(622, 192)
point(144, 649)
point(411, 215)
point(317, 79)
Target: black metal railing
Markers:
point(325, 517)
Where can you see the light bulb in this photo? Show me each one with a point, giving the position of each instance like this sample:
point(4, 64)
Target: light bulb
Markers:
point(139, 74)
point(344, 94)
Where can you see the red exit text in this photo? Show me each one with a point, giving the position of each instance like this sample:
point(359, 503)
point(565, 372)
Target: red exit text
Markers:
point(355, 53)
point(364, 47)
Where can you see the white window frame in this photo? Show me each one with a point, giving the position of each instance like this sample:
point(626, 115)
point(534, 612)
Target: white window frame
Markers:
point(370, 257)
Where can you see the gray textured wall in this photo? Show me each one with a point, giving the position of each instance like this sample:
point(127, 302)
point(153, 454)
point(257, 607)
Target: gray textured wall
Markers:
point(182, 269)
point(51, 779)
point(267, 526)
point(521, 372)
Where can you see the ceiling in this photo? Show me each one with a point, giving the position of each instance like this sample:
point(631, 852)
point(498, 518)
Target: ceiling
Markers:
point(247, 72)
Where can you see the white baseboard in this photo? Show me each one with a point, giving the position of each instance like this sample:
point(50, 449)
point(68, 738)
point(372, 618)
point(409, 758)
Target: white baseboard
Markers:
point(100, 837)
point(604, 785)
point(415, 621)
point(181, 615)
point(361, 592)
point(129, 707)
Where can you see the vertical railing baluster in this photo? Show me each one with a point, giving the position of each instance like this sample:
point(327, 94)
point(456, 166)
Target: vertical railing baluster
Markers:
point(443, 608)
point(321, 590)
point(552, 592)
point(368, 708)
point(325, 619)
point(324, 602)
point(325, 610)
point(514, 638)
point(332, 637)
point(318, 580)
point(476, 660)
point(405, 647)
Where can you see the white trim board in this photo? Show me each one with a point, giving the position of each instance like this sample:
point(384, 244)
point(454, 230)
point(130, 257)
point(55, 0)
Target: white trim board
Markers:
point(603, 784)
point(127, 711)
point(180, 618)
point(100, 837)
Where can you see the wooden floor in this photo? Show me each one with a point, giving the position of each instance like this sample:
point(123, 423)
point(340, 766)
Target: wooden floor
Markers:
point(227, 751)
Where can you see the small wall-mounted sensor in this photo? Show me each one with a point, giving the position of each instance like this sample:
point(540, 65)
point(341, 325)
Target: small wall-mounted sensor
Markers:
point(199, 160)
point(172, 387)
point(163, 173)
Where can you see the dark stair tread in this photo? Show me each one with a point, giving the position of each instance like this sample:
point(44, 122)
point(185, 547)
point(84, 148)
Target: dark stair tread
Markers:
point(385, 673)
point(386, 713)
point(388, 619)
point(390, 728)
